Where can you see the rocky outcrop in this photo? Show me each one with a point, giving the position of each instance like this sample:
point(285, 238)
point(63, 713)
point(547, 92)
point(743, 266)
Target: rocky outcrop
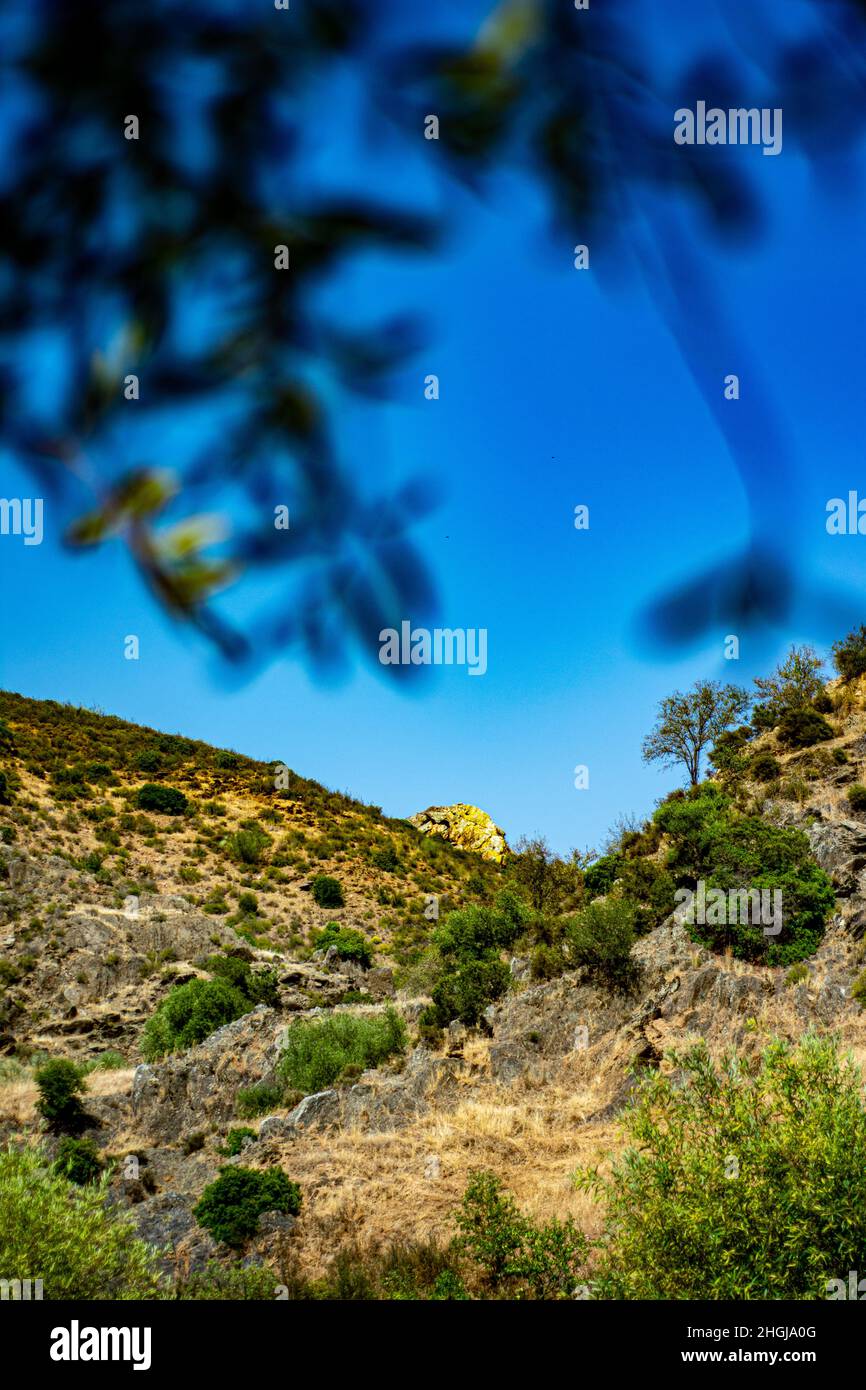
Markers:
point(174, 1098)
point(464, 826)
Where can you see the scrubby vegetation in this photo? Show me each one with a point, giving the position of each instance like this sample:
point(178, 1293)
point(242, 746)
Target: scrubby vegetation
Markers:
point(231, 1206)
point(319, 1052)
point(192, 1011)
point(327, 891)
point(60, 1083)
point(66, 1235)
point(349, 943)
point(741, 1182)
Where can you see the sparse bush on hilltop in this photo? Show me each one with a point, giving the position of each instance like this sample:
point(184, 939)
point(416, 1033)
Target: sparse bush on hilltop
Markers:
point(794, 685)
point(849, 655)
point(742, 1182)
point(167, 801)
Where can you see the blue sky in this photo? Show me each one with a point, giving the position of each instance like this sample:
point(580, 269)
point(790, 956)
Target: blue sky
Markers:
point(555, 390)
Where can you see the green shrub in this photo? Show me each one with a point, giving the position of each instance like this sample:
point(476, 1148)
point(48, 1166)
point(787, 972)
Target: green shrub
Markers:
point(516, 1257)
point(231, 1206)
point(261, 1099)
point(600, 940)
point(5, 797)
point(650, 891)
point(600, 877)
point(763, 767)
point(385, 858)
point(150, 760)
point(470, 943)
point(106, 1061)
point(189, 1014)
point(745, 1180)
point(728, 754)
point(711, 841)
point(797, 974)
point(546, 962)
point(248, 844)
point(317, 1051)
point(858, 989)
point(801, 728)
point(60, 1083)
point(258, 987)
point(350, 944)
point(166, 800)
point(235, 1140)
point(327, 891)
point(849, 655)
point(67, 1236)
point(78, 1160)
point(857, 797)
point(469, 987)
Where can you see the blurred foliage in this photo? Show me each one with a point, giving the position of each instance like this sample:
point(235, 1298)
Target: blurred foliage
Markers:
point(155, 257)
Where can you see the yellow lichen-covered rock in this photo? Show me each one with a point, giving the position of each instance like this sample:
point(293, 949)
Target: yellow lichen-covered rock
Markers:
point(849, 697)
point(464, 826)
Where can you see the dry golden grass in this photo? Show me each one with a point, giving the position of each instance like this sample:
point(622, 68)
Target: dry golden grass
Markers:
point(18, 1098)
point(376, 1188)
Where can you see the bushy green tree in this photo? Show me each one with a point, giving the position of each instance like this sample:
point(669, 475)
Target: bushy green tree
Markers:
point(688, 722)
point(230, 1206)
point(599, 876)
point(257, 986)
point(68, 1236)
point(60, 1083)
point(189, 1014)
point(470, 943)
point(710, 840)
point(743, 1180)
point(317, 1052)
point(166, 800)
point(849, 655)
point(600, 939)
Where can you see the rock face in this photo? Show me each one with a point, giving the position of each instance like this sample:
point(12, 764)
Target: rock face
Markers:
point(464, 826)
point(173, 1098)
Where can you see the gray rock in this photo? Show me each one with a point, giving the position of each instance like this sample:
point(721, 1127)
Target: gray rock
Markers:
point(275, 1127)
point(272, 1222)
point(315, 1111)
